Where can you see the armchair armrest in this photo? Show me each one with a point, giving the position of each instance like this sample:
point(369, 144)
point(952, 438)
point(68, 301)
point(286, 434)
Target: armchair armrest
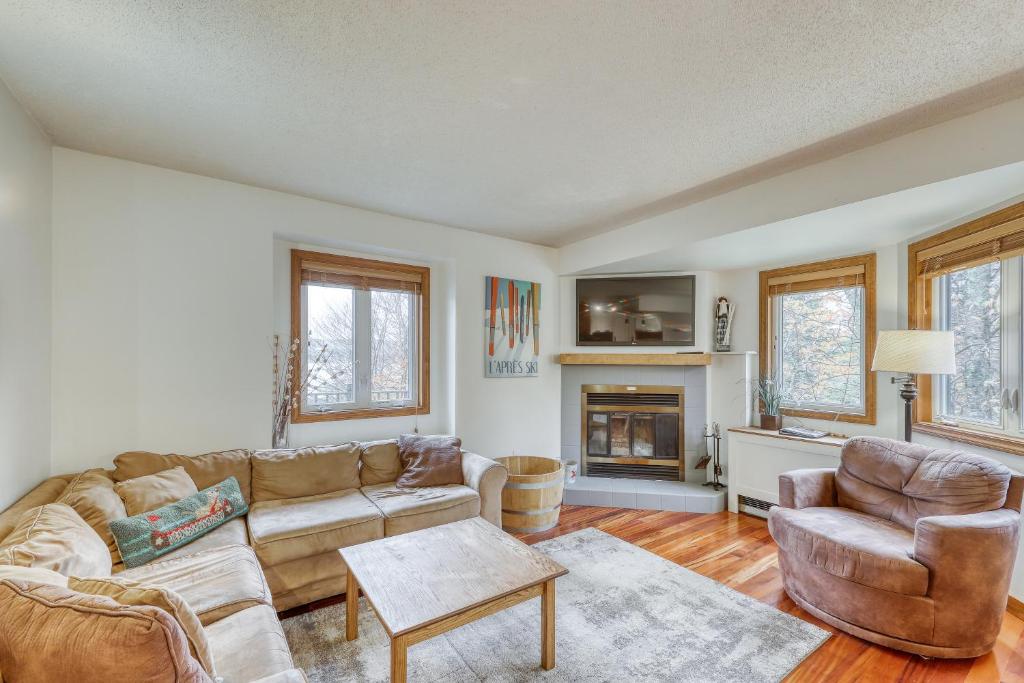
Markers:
point(811, 488)
point(969, 559)
point(488, 478)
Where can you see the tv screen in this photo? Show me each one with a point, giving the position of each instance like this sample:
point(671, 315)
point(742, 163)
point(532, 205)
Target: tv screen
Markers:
point(653, 311)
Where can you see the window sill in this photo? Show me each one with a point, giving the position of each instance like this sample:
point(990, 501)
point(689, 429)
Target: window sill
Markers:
point(974, 437)
point(359, 414)
point(856, 418)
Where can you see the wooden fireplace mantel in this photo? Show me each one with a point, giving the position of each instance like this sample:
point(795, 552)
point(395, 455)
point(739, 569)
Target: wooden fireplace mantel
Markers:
point(635, 358)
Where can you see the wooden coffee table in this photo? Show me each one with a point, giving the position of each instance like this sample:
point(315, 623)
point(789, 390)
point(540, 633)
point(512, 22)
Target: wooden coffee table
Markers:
point(428, 582)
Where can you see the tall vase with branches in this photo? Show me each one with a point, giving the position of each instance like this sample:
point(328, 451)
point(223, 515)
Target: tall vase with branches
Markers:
point(286, 394)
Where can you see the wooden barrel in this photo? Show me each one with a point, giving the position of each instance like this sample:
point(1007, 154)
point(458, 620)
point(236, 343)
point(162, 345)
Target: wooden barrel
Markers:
point(532, 497)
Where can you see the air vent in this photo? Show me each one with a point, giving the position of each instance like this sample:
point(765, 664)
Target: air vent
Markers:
point(633, 399)
point(604, 469)
point(754, 505)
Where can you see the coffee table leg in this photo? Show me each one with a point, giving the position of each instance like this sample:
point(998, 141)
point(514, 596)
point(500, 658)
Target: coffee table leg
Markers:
point(399, 647)
point(547, 626)
point(351, 607)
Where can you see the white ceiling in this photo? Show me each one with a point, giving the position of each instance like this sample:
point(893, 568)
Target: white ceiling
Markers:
point(537, 120)
point(846, 229)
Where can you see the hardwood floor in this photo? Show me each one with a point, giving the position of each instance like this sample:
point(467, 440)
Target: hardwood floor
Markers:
point(738, 551)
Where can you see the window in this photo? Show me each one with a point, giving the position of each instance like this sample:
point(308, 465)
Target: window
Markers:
point(970, 304)
point(817, 330)
point(969, 280)
point(363, 327)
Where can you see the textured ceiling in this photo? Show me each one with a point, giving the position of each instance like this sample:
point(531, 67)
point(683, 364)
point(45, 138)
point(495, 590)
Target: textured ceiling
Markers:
point(532, 119)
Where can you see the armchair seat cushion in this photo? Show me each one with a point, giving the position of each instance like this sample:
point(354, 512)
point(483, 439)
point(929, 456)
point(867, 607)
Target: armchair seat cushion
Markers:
point(851, 545)
point(214, 583)
point(411, 509)
point(290, 529)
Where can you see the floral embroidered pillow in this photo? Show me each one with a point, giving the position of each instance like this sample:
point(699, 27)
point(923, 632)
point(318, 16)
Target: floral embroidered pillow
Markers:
point(147, 536)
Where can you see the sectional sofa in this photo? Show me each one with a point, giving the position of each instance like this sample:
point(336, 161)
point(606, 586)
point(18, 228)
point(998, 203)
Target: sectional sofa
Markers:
point(304, 504)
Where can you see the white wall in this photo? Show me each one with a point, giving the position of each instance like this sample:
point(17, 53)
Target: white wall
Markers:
point(25, 194)
point(164, 306)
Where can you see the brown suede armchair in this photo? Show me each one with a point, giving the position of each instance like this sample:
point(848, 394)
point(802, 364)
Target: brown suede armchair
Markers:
point(903, 545)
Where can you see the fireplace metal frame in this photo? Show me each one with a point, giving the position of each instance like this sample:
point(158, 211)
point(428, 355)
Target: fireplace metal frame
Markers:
point(586, 408)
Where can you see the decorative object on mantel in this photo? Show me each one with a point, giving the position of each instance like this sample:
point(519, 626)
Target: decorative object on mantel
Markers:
point(770, 396)
point(511, 327)
point(724, 312)
point(286, 398)
point(910, 353)
point(713, 459)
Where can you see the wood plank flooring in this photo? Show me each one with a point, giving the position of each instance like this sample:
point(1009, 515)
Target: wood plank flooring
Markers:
point(738, 551)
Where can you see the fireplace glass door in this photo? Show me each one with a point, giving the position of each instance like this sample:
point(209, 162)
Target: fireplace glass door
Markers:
point(633, 435)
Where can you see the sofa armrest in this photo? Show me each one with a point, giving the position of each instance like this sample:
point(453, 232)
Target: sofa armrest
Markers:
point(812, 488)
point(488, 478)
point(970, 560)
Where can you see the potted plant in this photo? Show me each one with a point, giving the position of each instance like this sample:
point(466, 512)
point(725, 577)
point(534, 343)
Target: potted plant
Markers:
point(770, 397)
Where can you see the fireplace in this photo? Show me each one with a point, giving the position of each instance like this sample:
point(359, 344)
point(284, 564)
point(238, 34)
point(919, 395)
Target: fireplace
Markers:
point(632, 431)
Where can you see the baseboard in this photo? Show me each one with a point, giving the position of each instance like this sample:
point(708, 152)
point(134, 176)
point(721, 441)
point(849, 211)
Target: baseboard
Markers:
point(1015, 607)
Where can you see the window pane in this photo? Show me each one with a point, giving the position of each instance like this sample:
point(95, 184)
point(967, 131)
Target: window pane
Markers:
point(821, 337)
point(973, 313)
point(391, 346)
point(329, 328)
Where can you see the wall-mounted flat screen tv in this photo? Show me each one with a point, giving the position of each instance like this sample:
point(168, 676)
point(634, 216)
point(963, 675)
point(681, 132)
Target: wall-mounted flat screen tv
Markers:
point(651, 311)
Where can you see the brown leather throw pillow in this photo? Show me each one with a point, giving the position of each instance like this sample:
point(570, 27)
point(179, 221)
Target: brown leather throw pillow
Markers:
point(429, 460)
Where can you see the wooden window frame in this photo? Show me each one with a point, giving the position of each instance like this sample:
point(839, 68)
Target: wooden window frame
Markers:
point(423, 354)
point(992, 229)
point(811, 272)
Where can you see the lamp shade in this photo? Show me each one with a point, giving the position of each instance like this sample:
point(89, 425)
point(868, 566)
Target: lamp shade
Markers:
point(916, 352)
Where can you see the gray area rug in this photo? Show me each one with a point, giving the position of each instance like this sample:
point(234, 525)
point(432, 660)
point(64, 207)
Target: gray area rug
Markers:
point(623, 614)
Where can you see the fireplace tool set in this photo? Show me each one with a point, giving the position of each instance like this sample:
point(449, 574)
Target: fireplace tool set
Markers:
point(713, 459)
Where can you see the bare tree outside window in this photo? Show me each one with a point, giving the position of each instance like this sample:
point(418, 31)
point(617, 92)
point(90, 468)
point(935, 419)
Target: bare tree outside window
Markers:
point(973, 312)
point(821, 337)
point(330, 321)
point(390, 345)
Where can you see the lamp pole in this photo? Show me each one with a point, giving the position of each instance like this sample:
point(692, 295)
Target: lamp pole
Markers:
point(908, 392)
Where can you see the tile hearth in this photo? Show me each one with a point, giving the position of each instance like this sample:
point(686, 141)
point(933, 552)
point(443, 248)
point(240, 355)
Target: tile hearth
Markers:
point(643, 494)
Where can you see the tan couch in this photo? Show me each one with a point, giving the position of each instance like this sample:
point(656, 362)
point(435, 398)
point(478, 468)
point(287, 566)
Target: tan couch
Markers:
point(304, 505)
point(902, 545)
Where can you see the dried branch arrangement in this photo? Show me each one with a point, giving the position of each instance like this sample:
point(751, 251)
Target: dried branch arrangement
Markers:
point(287, 395)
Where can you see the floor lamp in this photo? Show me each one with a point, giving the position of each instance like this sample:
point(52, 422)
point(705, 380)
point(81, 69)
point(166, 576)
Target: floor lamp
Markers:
point(911, 353)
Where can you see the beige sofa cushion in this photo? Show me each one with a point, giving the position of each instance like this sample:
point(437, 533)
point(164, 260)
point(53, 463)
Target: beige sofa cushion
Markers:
point(91, 494)
point(47, 492)
point(293, 473)
point(284, 530)
point(33, 575)
point(411, 509)
point(215, 583)
point(206, 470)
point(250, 645)
point(128, 592)
point(380, 462)
point(88, 639)
point(153, 491)
point(54, 537)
